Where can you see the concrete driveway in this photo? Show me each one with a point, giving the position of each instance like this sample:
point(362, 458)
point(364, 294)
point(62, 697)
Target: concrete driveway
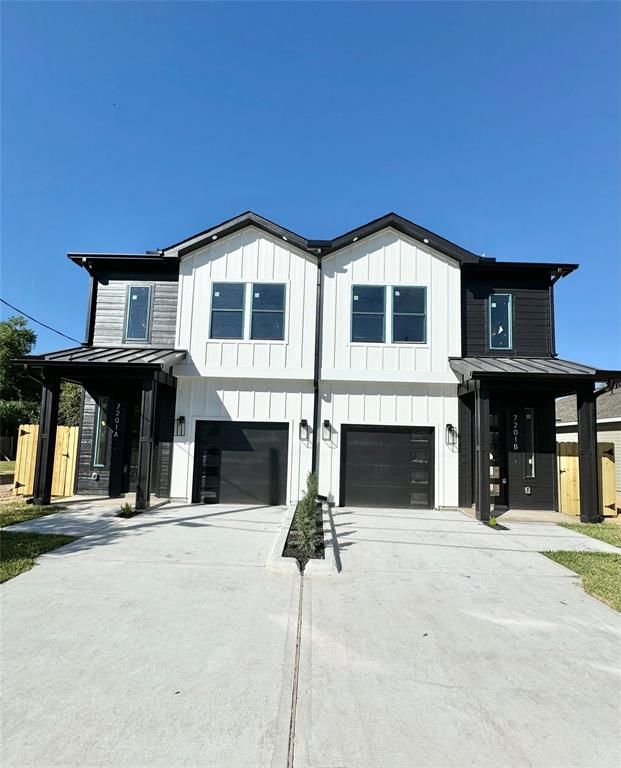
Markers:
point(163, 641)
point(155, 641)
point(445, 644)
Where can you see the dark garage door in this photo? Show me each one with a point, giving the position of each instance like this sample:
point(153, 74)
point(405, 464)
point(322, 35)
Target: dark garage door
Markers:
point(240, 462)
point(387, 467)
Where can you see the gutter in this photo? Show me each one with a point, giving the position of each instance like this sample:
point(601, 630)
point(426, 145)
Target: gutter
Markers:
point(317, 367)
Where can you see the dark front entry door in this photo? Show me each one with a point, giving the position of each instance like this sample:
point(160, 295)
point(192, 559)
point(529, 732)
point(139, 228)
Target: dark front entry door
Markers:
point(387, 467)
point(240, 462)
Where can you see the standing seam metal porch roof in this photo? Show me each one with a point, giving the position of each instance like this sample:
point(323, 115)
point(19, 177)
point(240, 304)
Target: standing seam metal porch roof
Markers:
point(477, 367)
point(109, 355)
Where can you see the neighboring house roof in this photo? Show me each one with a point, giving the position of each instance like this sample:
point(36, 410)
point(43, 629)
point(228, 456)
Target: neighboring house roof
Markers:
point(90, 356)
point(314, 247)
point(516, 367)
point(608, 408)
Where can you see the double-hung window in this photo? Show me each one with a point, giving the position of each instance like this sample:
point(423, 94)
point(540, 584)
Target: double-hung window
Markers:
point(227, 311)
point(500, 321)
point(268, 311)
point(368, 314)
point(101, 433)
point(409, 315)
point(138, 317)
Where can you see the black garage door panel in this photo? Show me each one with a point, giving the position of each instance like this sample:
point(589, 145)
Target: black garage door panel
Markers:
point(384, 466)
point(240, 462)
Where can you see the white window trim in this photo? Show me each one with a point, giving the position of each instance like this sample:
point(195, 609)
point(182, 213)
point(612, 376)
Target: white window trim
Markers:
point(489, 322)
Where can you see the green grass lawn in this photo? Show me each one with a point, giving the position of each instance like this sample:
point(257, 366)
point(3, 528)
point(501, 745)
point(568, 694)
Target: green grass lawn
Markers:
point(600, 571)
point(18, 511)
point(18, 551)
point(608, 532)
point(7, 467)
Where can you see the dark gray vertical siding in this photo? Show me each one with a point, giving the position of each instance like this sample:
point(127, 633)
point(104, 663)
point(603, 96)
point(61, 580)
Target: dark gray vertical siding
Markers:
point(111, 306)
point(532, 313)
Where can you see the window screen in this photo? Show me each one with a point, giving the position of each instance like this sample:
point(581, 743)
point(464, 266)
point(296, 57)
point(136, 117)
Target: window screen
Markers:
point(409, 310)
point(138, 312)
point(268, 311)
point(227, 311)
point(368, 308)
point(500, 321)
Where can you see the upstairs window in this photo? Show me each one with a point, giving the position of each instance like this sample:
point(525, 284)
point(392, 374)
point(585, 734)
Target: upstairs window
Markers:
point(500, 321)
point(409, 315)
point(368, 313)
point(268, 311)
point(227, 311)
point(138, 313)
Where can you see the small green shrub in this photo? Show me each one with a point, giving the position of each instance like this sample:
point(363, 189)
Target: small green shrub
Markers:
point(493, 521)
point(306, 519)
point(126, 511)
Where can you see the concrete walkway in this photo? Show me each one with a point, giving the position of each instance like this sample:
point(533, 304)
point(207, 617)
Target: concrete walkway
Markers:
point(155, 641)
point(445, 644)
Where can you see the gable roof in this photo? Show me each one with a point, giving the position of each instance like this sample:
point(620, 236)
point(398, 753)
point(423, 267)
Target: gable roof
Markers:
point(323, 247)
point(608, 407)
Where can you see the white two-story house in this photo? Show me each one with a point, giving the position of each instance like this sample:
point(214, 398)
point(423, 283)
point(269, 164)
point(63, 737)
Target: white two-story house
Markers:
point(403, 369)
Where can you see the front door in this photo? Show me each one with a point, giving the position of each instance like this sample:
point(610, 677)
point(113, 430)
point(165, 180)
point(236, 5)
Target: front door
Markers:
point(498, 458)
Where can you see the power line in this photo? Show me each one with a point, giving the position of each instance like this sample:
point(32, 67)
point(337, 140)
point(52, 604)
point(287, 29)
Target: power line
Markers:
point(34, 320)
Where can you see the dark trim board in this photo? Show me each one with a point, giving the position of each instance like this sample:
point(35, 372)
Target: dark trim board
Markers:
point(393, 478)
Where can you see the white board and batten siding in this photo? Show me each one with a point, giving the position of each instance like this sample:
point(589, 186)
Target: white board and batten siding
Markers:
point(225, 399)
point(396, 404)
point(390, 384)
point(390, 259)
point(249, 256)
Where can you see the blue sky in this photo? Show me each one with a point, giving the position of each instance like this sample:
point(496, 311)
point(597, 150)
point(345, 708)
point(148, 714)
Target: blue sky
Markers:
point(129, 126)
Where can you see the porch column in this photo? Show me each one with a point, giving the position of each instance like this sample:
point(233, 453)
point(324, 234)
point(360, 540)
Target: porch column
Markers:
point(590, 511)
point(46, 443)
point(145, 444)
point(481, 439)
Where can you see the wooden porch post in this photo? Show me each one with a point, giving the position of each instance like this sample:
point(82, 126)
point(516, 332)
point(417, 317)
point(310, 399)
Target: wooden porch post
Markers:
point(590, 511)
point(481, 437)
point(146, 438)
point(46, 443)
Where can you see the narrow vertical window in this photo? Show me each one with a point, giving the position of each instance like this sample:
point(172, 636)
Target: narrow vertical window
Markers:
point(101, 433)
point(409, 310)
point(500, 321)
point(368, 310)
point(529, 442)
point(227, 311)
point(268, 311)
point(138, 313)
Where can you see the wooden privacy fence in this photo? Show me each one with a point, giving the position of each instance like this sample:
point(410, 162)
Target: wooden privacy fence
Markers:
point(65, 458)
point(569, 478)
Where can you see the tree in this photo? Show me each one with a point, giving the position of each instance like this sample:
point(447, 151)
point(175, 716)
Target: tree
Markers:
point(16, 340)
point(19, 394)
point(69, 404)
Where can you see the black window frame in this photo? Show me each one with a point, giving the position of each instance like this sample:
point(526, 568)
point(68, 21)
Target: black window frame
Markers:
point(353, 312)
point(241, 309)
point(97, 427)
point(253, 311)
point(423, 314)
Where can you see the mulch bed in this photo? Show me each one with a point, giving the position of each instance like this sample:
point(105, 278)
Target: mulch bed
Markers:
point(290, 549)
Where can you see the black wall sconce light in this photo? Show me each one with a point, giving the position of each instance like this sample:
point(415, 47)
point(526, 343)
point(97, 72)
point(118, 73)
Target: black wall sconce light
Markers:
point(180, 426)
point(326, 429)
point(304, 430)
point(451, 435)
